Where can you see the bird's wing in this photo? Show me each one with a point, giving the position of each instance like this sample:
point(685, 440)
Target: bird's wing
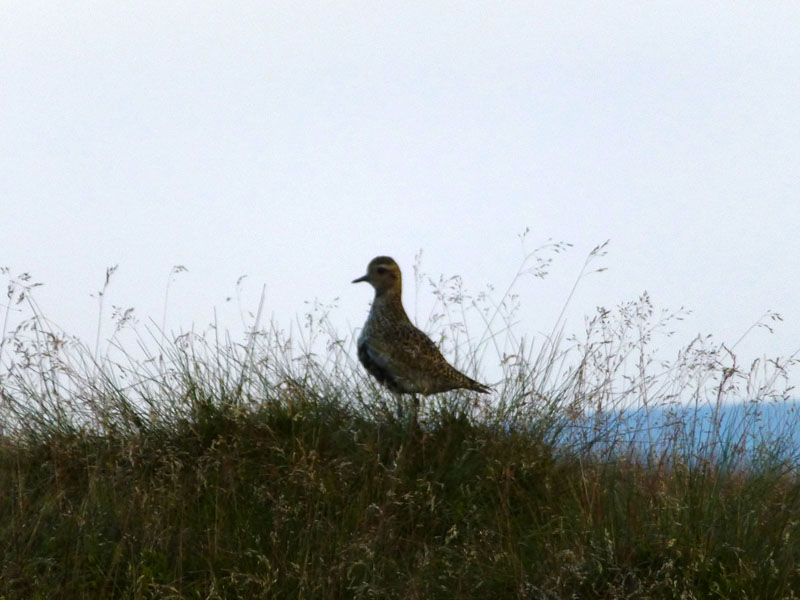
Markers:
point(408, 361)
point(411, 354)
point(425, 360)
point(392, 357)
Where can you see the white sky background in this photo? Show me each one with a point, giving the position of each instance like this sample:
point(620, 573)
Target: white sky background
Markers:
point(292, 142)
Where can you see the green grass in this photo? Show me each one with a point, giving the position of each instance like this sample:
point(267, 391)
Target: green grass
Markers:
point(304, 498)
point(213, 469)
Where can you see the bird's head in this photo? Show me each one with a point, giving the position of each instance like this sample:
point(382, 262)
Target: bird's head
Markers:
point(383, 274)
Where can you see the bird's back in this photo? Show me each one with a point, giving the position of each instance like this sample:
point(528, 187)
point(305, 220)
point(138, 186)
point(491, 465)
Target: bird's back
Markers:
point(404, 359)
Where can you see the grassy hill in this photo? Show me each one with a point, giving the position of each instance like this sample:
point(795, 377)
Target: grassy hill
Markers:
point(206, 468)
point(304, 497)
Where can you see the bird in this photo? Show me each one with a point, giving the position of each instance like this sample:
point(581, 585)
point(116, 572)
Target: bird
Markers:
point(397, 354)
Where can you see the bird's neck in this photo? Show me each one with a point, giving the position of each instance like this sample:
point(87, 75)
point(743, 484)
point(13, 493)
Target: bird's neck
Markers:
point(390, 304)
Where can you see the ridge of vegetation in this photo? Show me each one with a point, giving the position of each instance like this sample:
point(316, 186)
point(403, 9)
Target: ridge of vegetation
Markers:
point(274, 468)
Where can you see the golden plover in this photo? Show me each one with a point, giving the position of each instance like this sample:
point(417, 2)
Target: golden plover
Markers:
point(396, 353)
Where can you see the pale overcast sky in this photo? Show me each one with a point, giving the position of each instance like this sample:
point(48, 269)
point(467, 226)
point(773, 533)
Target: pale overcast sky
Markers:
point(294, 141)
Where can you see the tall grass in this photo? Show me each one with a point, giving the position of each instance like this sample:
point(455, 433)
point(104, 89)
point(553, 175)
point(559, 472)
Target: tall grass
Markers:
point(197, 466)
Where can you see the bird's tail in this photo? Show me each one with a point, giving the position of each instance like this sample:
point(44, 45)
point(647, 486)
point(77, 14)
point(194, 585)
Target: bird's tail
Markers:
point(479, 387)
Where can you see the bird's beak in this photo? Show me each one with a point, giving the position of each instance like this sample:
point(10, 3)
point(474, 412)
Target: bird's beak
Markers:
point(360, 279)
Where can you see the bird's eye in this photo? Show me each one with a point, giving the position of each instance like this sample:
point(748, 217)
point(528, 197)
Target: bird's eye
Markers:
point(381, 270)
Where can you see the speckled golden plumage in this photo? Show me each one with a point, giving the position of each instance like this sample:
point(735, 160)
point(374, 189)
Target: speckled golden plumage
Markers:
point(396, 353)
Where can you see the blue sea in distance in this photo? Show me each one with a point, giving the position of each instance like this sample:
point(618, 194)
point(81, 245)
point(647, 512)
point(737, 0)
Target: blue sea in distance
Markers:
point(752, 431)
